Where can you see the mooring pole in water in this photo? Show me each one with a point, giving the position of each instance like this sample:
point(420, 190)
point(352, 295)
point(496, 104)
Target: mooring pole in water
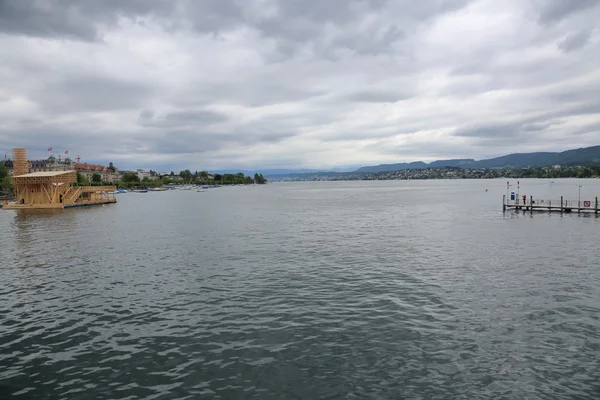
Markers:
point(504, 203)
point(531, 204)
point(561, 204)
point(596, 211)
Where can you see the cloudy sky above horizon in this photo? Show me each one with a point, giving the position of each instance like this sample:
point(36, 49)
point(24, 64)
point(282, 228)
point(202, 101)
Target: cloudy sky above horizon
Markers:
point(212, 84)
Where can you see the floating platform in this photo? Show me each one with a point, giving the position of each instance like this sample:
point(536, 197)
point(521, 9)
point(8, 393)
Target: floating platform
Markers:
point(562, 205)
point(16, 206)
point(52, 190)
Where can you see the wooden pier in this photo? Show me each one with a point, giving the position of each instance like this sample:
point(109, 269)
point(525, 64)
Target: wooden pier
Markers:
point(562, 205)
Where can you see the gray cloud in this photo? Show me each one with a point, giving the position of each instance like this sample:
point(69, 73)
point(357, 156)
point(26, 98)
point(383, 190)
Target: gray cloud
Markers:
point(574, 41)
point(92, 93)
point(556, 10)
point(227, 83)
point(69, 18)
point(374, 96)
point(183, 118)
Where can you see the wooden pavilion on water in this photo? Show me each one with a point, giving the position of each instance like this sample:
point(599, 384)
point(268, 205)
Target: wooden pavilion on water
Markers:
point(55, 189)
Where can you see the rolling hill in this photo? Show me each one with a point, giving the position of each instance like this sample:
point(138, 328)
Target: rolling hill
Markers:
point(587, 155)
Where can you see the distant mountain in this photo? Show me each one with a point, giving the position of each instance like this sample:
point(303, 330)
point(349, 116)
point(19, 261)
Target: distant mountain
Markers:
point(587, 155)
point(524, 160)
point(463, 163)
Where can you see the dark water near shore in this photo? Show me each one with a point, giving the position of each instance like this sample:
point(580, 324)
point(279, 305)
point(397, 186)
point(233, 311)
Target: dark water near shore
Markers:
point(419, 290)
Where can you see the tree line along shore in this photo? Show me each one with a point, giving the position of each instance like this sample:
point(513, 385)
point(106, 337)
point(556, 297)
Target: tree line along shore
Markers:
point(448, 173)
point(130, 180)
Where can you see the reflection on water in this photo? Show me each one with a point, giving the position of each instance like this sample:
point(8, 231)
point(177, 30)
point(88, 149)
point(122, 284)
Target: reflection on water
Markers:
point(323, 290)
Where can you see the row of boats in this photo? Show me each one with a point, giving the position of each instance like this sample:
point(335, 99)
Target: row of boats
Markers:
point(166, 188)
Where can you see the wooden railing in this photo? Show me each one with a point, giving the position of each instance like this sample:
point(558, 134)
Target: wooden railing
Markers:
point(97, 188)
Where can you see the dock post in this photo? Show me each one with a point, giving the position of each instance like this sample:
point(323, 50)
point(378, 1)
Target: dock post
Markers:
point(596, 211)
point(561, 204)
point(531, 204)
point(504, 202)
point(549, 205)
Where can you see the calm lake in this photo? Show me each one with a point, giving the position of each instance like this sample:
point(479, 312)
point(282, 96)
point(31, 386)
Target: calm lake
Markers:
point(325, 290)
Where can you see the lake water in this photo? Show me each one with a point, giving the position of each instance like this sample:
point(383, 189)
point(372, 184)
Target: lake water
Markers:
point(327, 290)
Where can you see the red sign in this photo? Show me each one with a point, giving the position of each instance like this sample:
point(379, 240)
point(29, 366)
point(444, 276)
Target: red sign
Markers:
point(587, 203)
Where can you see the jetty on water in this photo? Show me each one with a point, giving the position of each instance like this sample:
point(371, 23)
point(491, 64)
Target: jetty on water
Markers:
point(559, 205)
point(55, 189)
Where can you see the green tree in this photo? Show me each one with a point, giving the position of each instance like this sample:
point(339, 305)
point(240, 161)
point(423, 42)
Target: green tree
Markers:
point(82, 180)
point(260, 179)
point(249, 180)
point(130, 178)
point(218, 177)
point(186, 175)
point(5, 181)
point(96, 178)
point(111, 167)
point(3, 172)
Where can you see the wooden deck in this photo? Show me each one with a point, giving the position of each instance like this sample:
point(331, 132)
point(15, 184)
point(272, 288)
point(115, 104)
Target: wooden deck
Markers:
point(80, 203)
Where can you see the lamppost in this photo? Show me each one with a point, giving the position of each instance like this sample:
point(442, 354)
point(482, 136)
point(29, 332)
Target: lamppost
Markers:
point(579, 197)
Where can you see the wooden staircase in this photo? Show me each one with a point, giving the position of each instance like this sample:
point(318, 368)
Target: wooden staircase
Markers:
point(70, 198)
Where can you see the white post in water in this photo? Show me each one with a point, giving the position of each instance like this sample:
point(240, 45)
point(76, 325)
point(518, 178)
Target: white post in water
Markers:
point(579, 200)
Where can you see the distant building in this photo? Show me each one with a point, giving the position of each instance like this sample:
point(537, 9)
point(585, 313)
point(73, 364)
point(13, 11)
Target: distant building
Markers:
point(89, 170)
point(150, 175)
point(51, 164)
point(556, 166)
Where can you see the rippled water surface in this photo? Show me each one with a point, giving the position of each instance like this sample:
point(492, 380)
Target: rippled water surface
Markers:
point(354, 290)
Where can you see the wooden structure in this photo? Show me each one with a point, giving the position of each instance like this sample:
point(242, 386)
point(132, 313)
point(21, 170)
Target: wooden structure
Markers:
point(562, 205)
point(20, 163)
point(41, 190)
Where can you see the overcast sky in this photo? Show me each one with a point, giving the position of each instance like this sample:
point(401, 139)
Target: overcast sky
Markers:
point(297, 83)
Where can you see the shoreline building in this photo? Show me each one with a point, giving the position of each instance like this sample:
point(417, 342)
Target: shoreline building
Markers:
point(149, 175)
point(89, 170)
point(51, 164)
